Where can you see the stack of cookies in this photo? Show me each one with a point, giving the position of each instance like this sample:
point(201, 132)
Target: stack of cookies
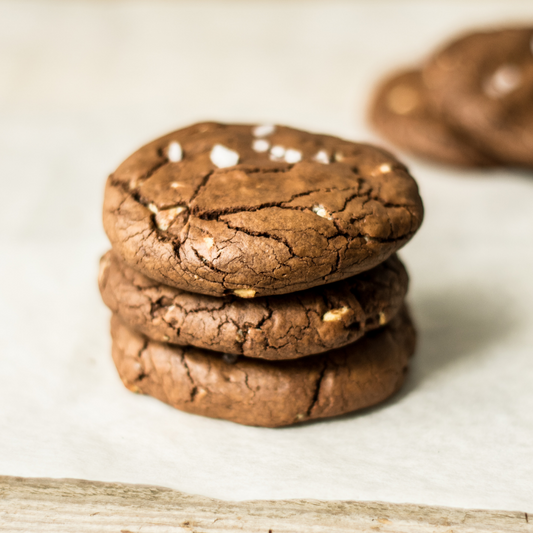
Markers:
point(253, 274)
point(470, 104)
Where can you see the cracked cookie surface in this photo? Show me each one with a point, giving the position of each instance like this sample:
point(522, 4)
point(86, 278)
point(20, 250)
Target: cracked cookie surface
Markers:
point(267, 393)
point(258, 210)
point(482, 82)
point(275, 327)
point(401, 112)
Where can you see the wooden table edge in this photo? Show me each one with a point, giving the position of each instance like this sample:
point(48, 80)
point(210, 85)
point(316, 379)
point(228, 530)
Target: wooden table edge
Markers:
point(44, 504)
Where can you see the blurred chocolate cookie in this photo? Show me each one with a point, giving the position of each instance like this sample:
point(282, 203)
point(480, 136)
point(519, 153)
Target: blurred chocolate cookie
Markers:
point(482, 83)
point(401, 111)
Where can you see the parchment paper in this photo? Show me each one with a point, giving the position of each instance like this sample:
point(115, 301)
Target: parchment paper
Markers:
point(82, 85)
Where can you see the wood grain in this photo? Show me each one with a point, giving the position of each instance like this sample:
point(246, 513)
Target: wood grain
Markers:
point(58, 505)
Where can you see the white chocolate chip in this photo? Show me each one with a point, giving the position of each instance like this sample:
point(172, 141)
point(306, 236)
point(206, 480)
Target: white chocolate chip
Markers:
point(153, 208)
point(209, 242)
point(321, 212)
point(264, 130)
point(339, 157)
point(260, 145)
point(165, 217)
point(175, 185)
point(174, 152)
point(335, 314)
point(293, 156)
point(200, 393)
point(277, 152)
point(244, 293)
point(382, 318)
point(166, 338)
point(384, 168)
point(223, 157)
point(322, 157)
point(367, 238)
point(171, 308)
point(505, 80)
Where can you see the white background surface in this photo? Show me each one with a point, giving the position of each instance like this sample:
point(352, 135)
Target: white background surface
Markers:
point(84, 84)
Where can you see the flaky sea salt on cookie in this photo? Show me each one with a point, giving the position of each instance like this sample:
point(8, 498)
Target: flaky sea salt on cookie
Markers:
point(255, 210)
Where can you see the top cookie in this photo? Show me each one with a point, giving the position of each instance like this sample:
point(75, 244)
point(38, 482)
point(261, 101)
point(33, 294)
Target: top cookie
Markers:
point(483, 82)
point(258, 210)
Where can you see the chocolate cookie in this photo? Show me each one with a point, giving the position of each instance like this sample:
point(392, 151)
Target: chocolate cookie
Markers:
point(255, 211)
point(275, 327)
point(483, 83)
point(402, 113)
point(267, 393)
